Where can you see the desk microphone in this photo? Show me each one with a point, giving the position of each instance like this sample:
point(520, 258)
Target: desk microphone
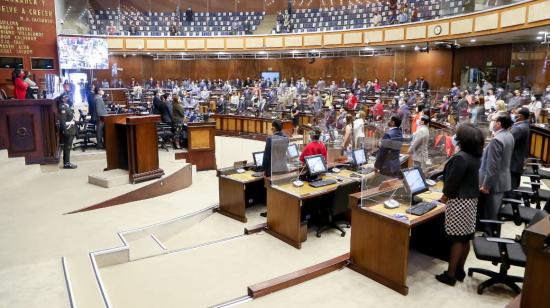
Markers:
point(297, 182)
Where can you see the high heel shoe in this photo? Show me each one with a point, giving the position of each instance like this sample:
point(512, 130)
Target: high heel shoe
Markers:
point(446, 279)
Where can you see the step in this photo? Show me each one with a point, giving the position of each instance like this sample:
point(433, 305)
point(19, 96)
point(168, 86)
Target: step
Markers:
point(144, 247)
point(86, 291)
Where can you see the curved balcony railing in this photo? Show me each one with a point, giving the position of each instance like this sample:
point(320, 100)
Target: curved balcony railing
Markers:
point(514, 17)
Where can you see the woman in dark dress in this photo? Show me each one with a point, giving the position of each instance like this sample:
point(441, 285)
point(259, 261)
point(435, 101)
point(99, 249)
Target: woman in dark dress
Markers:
point(460, 193)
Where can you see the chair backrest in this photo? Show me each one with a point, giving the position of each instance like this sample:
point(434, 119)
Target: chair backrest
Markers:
point(340, 202)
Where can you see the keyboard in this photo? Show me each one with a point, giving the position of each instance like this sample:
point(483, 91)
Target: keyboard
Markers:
point(421, 208)
point(322, 183)
point(257, 174)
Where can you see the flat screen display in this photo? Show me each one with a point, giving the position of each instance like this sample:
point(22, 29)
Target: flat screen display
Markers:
point(42, 64)
point(359, 157)
point(293, 151)
point(271, 75)
point(315, 164)
point(258, 158)
point(82, 52)
point(415, 180)
point(11, 62)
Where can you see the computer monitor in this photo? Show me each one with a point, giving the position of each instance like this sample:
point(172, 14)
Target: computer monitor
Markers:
point(315, 166)
point(258, 159)
point(292, 151)
point(359, 157)
point(415, 182)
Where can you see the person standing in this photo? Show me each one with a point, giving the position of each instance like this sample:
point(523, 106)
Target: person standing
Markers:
point(494, 174)
point(535, 107)
point(20, 86)
point(275, 149)
point(68, 129)
point(315, 147)
point(387, 158)
point(520, 132)
point(419, 145)
point(460, 194)
point(100, 110)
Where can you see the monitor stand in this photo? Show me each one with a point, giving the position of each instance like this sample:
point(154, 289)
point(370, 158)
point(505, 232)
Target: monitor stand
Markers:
point(310, 179)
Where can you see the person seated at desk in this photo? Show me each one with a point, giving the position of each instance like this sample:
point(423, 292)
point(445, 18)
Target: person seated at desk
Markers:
point(387, 158)
point(315, 147)
point(460, 193)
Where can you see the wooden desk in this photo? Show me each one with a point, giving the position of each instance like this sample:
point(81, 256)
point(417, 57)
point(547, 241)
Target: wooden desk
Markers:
point(119, 96)
point(539, 146)
point(201, 146)
point(380, 242)
point(537, 271)
point(131, 144)
point(285, 202)
point(237, 124)
point(236, 190)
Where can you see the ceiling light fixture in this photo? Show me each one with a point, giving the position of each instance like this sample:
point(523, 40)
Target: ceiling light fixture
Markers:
point(472, 40)
point(539, 38)
point(402, 46)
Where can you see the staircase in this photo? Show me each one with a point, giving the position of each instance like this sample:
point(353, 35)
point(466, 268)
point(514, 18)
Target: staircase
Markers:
point(266, 25)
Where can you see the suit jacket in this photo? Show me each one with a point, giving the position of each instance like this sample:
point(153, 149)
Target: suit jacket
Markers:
point(461, 176)
point(387, 159)
point(520, 132)
point(495, 163)
point(275, 150)
point(419, 145)
point(100, 108)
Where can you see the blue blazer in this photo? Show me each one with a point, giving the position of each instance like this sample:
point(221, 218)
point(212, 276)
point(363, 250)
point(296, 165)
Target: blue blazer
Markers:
point(387, 159)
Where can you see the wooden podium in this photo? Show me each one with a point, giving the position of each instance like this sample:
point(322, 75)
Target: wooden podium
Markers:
point(201, 146)
point(131, 144)
point(27, 129)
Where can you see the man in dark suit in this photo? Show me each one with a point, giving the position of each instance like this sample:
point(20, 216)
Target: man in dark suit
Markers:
point(100, 110)
point(189, 15)
point(494, 173)
point(165, 111)
point(520, 132)
point(156, 103)
point(423, 85)
point(387, 159)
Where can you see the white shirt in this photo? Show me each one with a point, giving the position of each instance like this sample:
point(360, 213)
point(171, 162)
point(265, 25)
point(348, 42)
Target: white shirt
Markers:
point(535, 106)
point(359, 128)
point(490, 102)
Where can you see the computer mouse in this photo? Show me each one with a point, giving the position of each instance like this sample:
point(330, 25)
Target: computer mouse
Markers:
point(297, 183)
point(430, 182)
point(335, 170)
point(391, 204)
point(241, 170)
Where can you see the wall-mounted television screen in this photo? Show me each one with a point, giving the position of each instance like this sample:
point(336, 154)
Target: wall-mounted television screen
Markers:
point(41, 64)
point(271, 75)
point(11, 62)
point(77, 52)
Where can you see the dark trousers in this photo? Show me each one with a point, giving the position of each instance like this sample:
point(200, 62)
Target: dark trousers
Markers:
point(489, 206)
point(67, 146)
point(516, 179)
point(99, 134)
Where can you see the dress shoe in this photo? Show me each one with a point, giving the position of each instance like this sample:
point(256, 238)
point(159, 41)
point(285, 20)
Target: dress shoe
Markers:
point(69, 166)
point(446, 279)
point(460, 275)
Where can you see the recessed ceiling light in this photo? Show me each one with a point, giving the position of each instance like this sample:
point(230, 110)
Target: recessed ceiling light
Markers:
point(542, 32)
point(539, 38)
point(263, 52)
point(294, 51)
point(368, 48)
point(314, 50)
point(402, 46)
point(472, 40)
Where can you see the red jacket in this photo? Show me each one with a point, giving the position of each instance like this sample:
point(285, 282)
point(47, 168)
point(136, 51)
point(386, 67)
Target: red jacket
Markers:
point(351, 102)
point(20, 89)
point(314, 148)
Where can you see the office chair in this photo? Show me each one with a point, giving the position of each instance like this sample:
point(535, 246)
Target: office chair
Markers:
point(85, 130)
point(338, 206)
point(165, 135)
point(497, 250)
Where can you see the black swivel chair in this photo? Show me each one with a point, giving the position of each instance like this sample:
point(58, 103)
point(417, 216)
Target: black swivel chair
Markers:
point(497, 250)
point(165, 135)
point(338, 206)
point(85, 131)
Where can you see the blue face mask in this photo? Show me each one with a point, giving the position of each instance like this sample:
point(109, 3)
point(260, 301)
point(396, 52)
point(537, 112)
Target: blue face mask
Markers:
point(453, 140)
point(513, 116)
